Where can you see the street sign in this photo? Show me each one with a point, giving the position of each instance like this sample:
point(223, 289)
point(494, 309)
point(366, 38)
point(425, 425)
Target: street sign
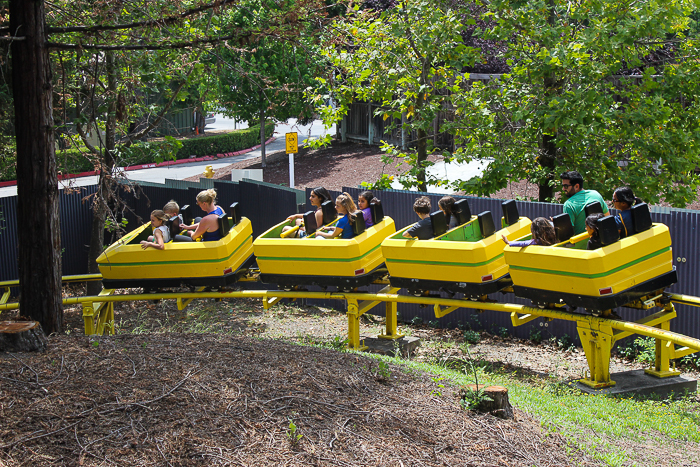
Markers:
point(292, 143)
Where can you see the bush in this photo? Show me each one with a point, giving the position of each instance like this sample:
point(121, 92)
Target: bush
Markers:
point(74, 161)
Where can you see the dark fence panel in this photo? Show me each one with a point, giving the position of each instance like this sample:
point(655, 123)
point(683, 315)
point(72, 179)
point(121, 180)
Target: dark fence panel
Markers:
point(8, 238)
point(266, 205)
point(76, 221)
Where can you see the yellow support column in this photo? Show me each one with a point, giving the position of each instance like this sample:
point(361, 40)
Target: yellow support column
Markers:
point(89, 318)
point(391, 322)
point(597, 339)
point(665, 351)
point(354, 326)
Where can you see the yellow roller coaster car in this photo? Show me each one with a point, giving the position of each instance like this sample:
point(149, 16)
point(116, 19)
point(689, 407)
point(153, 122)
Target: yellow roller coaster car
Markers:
point(619, 272)
point(467, 259)
point(346, 264)
point(217, 263)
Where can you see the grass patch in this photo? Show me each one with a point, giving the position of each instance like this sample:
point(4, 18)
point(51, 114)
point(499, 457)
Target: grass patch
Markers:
point(601, 426)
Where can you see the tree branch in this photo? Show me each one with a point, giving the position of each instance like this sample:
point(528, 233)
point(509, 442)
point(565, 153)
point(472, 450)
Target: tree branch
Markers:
point(177, 45)
point(140, 24)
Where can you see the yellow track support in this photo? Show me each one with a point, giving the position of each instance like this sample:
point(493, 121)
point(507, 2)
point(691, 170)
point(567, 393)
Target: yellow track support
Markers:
point(99, 316)
point(598, 333)
point(357, 309)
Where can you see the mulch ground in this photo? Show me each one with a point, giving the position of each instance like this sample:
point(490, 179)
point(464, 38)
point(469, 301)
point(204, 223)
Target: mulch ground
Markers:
point(333, 167)
point(205, 399)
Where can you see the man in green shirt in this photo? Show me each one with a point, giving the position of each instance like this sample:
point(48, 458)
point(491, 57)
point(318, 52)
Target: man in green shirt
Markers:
point(578, 198)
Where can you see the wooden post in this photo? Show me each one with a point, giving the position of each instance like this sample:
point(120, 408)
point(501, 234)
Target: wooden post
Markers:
point(370, 133)
point(344, 129)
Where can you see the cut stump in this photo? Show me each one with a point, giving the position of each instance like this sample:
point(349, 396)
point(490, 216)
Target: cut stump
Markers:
point(495, 401)
point(21, 336)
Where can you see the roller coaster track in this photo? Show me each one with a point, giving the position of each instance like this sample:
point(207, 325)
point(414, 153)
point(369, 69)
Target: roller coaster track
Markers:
point(598, 334)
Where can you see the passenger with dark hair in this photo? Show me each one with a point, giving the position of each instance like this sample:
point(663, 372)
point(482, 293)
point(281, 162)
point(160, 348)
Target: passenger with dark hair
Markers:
point(592, 228)
point(542, 234)
point(577, 199)
point(363, 201)
point(446, 205)
point(423, 229)
point(623, 200)
point(319, 195)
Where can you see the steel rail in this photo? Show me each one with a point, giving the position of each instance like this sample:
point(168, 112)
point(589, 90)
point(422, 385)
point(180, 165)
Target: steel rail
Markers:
point(620, 325)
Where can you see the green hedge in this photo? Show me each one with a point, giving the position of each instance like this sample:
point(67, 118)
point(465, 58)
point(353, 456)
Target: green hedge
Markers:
point(73, 161)
point(219, 144)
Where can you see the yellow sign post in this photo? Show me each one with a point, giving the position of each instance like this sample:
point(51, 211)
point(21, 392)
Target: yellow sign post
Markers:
point(292, 143)
point(292, 147)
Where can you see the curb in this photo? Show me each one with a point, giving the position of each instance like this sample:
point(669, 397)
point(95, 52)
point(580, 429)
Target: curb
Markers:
point(154, 165)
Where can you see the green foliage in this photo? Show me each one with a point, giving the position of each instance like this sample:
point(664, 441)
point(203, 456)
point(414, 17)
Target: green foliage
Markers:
point(417, 320)
point(272, 76)
point(564, 105)
point(384, 183)
point(535, 335)
point(692, 360)
point(472, 398)
point(471, 337)
point(565, 342)
point(229, 142)
point(382, 372)
point(438, 392)
point(403, 58)
point(642, 349)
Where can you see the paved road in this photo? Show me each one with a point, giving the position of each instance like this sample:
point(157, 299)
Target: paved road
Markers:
point(182, 171)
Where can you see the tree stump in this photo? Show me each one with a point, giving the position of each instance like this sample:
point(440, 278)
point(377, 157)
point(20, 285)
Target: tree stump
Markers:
point(491, 399)
point(21, 336)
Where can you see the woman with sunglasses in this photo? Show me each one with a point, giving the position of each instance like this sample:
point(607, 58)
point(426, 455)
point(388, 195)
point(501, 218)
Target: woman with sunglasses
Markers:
point(623, 200)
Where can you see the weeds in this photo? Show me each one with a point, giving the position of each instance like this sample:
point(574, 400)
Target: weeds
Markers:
point(535, 335)
point(471, 399)
point(293, 434)
point(471, 337)
point(642, 349)
point(382, 372)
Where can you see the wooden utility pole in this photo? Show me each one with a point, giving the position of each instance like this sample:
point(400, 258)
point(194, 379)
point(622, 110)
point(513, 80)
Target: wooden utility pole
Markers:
point(37, 181)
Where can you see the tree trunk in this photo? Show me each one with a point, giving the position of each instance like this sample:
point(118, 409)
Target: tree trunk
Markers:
point(547, 159)
point(548, 149)
point(37, 182)
point(104, 193)
point(21, 336)
point(421, 156)
point(422, 144)
point(262, 137)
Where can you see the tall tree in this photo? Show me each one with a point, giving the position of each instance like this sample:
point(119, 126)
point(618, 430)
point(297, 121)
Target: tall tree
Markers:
point(405, 58)
point(37, 187)
point(269, 80)
point(611, 89)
